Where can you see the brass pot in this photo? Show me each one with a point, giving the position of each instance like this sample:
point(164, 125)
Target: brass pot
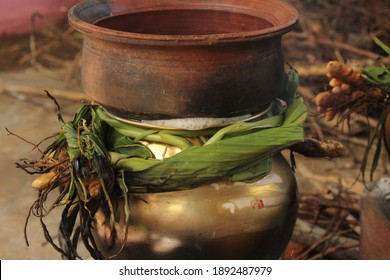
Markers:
point(221, 220)
point(163, 59)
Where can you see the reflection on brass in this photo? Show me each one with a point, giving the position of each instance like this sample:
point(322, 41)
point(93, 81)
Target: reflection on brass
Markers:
point(220, 220)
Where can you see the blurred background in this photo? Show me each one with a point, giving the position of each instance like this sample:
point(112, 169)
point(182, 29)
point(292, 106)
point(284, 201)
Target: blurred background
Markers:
point(39, 51)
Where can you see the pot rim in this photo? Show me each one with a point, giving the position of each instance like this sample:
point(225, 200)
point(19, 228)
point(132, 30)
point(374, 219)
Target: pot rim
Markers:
point(92, 30)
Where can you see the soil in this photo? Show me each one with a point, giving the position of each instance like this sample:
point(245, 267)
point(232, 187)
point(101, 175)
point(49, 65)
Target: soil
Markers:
point(327, 31)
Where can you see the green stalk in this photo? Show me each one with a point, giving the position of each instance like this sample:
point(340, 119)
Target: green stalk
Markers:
point(170, 137)
point(108, 200)
point(70, 191)
point(134, 164)
point(83, 194)
point(240, 127)
point(177, 141)
point(125, 190)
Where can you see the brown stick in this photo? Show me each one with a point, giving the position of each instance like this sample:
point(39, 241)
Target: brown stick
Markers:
point(352, 49)
point(309, 36)
point(309, 235)
point(335, 249)
point(25, 140)
point(33, 91)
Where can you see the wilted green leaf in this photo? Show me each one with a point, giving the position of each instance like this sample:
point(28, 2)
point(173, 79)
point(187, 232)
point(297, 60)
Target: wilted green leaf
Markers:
point(381, 44)
point(222, 158)
point(376, 75)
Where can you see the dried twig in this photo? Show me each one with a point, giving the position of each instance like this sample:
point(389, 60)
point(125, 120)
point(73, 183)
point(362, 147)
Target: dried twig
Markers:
point(37, 92)
point(36, 52)
point(333, 250)
point(310, 235)
point(349, 48)
point(35, 146)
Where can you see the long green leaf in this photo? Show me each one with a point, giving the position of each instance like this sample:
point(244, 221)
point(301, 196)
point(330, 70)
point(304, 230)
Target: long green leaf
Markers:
point(199, 164)
point(381, 44)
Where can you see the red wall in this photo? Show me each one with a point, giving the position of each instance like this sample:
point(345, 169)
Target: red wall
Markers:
point(15, 15)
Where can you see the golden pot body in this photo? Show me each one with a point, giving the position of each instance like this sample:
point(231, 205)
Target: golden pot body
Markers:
point(220, 220)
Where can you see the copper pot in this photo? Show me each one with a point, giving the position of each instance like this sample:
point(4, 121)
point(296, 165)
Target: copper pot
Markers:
point(174, 59)
point(375, 221)
point(386, 133)
point(375, 213)
point(221, 220)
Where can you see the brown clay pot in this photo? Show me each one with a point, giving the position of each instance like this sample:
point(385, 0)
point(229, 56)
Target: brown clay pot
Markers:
point(175, 59)
point(375, 221)
point(221, 220)
point(386, 134)
point(375, 213)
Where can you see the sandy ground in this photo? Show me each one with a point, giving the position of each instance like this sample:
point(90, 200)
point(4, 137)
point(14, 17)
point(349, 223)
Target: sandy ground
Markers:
point(32, 118)
point(16, 196)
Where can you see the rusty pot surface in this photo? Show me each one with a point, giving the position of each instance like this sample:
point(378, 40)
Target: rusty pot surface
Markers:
point(164, 59)
point(375, 221)
point(386, 134)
